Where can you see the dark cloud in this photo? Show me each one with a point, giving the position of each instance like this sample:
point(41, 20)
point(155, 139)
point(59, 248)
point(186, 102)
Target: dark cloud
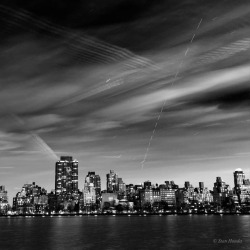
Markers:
point(137, 25)
point(87, 13)
point(237, 97)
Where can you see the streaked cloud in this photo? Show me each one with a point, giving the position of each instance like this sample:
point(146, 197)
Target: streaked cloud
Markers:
point(112, 156)
point(93, 89)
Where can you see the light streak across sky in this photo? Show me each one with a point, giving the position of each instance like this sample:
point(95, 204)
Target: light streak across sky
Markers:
point(164, 103)
point(37, 140)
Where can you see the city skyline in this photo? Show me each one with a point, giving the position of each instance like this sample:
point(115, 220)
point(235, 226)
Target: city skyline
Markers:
point(123, 198)
point(113, 180)
point(160, 94)
point(194, 178)
point(66, 186)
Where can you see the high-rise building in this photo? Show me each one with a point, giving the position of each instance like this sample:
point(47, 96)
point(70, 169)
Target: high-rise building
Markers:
point(201, 186)
point(89, 195)
point(187, 184)
point(122, 185)
point(221, 191)
point(241, 186)
point(96, 180)
point(3, 200)
point(239, 177)
point(92, 189)
point(66, 176)
point(3, 194)
point(112, 182)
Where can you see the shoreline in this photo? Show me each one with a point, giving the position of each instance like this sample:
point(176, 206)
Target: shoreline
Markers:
point(128, 215)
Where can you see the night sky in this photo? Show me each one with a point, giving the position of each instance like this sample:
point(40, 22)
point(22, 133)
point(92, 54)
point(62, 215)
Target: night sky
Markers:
point(156, 90)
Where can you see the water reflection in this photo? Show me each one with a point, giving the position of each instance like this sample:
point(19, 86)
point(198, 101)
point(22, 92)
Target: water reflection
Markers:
point(107, 232)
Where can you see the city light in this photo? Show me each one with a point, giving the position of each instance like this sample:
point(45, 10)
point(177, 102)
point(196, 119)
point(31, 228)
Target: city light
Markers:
point(120, 198)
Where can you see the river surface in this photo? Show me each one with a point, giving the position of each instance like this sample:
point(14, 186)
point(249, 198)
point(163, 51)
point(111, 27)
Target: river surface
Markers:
point(123, 232)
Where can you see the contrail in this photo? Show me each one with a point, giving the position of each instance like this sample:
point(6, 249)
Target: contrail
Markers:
point(82, 47)
point(225, 51)
point(198, 25)
point(44, 147)
point(164, 103)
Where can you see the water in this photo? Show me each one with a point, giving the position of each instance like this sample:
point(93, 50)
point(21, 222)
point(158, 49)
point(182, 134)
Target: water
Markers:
point(123, 232)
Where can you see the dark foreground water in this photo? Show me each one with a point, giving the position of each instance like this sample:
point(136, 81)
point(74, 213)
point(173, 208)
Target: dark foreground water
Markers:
point(122, 232)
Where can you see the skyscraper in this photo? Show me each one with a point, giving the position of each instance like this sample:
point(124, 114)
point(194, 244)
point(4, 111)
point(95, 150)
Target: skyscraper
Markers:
point(121, 185)
point(241, 186)
point(112, 182)
point(66, 176)
point(221, 191)
point(89, 195)
point(187, 184)
point(3, 194)
point(96, 180)
point(239, 177)
point(201, 186)
point(3, 200)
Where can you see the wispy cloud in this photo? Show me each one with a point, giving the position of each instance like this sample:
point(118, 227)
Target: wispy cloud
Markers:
point(112, 156)
point(216, 158)
point(95, 91)
point(194, 85)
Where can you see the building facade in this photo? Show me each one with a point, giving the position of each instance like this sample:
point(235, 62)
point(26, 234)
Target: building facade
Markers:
point(92, 191)
point(221, 192)
point(66, 175)
point(89, 195)
point(167, 195)
point(149, 195)
point(3, 200)
point(241, 187)
point(112, 182)
point(31, 199)
point(92, 177)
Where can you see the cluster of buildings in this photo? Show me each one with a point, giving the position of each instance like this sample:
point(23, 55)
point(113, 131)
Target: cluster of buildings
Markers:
point(31, 199)
point(119, 197)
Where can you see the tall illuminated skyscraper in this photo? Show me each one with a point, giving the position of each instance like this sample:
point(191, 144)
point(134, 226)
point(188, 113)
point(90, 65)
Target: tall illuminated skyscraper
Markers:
point(96, 180)
point(66, 176)
point(239, 177)
point(92, 190)
point(112, 182)
point(3, 194)
point(3, 199)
